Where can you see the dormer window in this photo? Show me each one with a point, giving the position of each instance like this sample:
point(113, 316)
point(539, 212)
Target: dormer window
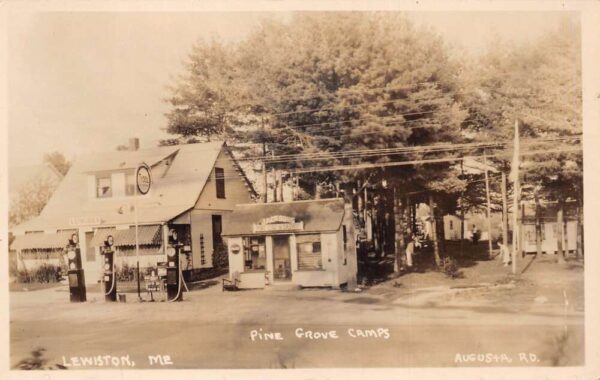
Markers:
point(104, 187)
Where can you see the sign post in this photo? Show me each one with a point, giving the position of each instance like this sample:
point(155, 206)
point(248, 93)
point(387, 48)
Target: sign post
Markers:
point(143, 182)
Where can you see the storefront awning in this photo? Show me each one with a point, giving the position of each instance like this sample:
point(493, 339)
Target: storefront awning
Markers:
point(147, 235)
point(42, 241)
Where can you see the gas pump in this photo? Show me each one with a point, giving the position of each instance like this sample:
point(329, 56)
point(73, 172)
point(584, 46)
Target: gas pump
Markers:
point(110, 283)
point(77, 291)
point(174, 292)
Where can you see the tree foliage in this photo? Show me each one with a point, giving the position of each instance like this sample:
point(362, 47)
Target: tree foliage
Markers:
point(327, 83)
point(58, 161)
point(30, 200)
point(334, 82)
point(538, 84)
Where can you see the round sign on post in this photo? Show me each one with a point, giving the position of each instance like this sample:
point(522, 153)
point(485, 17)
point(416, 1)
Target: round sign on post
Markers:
point(235, 249)
point(143, 179)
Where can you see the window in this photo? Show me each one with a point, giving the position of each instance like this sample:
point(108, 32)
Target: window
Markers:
point(529, 233)
point(103, 187)
point(255, 256)
point(220, 182)
point(130, 184)
point(309, 252)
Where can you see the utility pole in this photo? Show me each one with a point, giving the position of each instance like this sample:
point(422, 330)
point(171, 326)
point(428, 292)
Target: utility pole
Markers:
point(274, 176)
point(462, 212)
point(487, 195)
point(517, 190)
point(264, 172)
point(504, 212)
point(436, 244)
point(280, 185)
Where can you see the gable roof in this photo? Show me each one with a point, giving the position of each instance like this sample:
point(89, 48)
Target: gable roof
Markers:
point(170, 195)
point(316, 215)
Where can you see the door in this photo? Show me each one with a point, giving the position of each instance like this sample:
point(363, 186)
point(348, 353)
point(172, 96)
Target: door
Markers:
point(219, 254)
point(282, 266)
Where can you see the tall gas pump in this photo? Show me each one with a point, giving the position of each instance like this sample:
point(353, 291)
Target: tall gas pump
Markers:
point(174, 291)
point(77, 291)
point(110, 283)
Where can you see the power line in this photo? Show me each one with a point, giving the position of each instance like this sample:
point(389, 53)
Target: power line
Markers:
point(327, 155)
point(404, 163)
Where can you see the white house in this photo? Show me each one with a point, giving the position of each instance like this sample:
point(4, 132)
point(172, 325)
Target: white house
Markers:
point(192, 187)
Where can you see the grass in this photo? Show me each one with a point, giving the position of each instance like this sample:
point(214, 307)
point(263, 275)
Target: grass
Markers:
point(31, 286)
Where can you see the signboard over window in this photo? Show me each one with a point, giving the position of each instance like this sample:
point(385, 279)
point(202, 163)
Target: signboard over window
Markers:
point(85, 220)
point(278, 223)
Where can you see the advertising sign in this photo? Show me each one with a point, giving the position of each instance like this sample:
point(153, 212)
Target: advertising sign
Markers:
point(143, 179)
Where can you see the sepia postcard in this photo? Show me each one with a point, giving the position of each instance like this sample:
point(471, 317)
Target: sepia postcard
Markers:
point(308, 190)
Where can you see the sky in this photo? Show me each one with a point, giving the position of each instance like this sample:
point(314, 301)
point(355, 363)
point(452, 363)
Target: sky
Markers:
point(87, 82)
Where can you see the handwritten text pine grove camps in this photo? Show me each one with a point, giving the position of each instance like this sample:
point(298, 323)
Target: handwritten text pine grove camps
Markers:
point(300, 333)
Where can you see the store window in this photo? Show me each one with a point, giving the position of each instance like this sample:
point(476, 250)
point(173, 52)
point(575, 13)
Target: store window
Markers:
point(220, 182)
point(104, 187)
point(255, 256)
point(309, 252)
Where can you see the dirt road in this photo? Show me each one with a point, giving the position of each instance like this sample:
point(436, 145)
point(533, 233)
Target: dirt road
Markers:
point(211, 329)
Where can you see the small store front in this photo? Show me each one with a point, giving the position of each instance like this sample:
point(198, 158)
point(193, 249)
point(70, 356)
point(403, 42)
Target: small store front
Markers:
point(303, 243)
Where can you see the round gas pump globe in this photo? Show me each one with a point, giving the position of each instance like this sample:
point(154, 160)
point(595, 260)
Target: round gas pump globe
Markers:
point(170, 251)
point(174, 235)
point(110, 240)
point(235, 249)
point(74, 238)
point(106, 266)
point(71, 255)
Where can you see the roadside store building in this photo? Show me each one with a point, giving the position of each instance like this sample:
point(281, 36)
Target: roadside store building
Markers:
point(192, 187)
point(303, 243)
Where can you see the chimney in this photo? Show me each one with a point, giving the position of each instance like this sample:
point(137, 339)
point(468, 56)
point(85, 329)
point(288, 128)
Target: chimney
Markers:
point(134, 144)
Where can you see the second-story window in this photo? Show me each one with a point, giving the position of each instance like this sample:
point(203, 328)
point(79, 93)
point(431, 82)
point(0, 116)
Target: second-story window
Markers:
point(104, 187)
point(130, 184)
point(220, 182)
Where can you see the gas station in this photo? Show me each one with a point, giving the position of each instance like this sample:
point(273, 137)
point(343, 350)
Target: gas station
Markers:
point(158, 211)
point(168, 280)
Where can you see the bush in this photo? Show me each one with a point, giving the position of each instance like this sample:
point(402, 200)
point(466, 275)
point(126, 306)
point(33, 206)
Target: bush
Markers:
point(43, 274)
point(220, 257)
point(450, 268)
point(125, 272)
